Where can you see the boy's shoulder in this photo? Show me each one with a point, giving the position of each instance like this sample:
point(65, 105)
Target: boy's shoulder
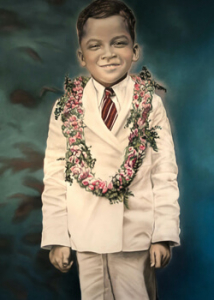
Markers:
point(157, 101)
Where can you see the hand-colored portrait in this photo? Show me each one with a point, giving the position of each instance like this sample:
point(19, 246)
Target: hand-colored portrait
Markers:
point(106, 185)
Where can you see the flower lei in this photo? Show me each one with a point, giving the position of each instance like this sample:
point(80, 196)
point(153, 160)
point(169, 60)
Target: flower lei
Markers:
point(79, 161)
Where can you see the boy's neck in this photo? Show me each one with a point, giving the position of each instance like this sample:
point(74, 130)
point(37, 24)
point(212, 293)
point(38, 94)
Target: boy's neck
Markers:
point(112, 84)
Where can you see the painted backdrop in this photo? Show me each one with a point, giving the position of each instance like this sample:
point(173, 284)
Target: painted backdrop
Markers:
point(37, 48)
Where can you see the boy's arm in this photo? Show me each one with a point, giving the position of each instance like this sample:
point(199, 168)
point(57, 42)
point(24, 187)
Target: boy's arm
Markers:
point(54, 209)
point(164, 180)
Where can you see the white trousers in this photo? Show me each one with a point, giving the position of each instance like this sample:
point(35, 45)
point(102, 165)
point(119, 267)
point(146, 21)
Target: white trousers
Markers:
point(116, 276)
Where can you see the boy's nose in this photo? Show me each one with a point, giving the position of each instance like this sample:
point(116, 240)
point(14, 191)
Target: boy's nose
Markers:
point(108, 53)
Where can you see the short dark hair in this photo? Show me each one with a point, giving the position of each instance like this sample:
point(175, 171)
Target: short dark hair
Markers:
point(100, 9)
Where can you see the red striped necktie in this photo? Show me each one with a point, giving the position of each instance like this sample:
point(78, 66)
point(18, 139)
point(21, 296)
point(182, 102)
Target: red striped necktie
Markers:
point(109, 111)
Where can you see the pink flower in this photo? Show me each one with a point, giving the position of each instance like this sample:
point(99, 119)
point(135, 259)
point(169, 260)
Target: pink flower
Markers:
point(96, 183)
point(132, 152)
point(85, 182)
point(78, 135)
point(110, 186)
point(80, 111)
point(71, 158)
point(136, 96)
point(144, 116)
point(75, 170)
point(99, 184)
point(137, 87)
point(131, 136)
point(85, 154)
point(129, 171)
point(68, 104)
point(76, 151)
point(72, 118)
point(72, 140)
point(136, 104)
point(71, 100)
point(133, 161)
point(74, 123)
point(91, 187)
point(143, 141)
point(147, 96)
point(130, 162)
point(140, 123)
point(146, 106)
point(77, 81)
point(85, 174)
point(142, 94)
point(103, 186)
point(121, 179)
point(77, 88)
point(142, 147)
point(136, 132)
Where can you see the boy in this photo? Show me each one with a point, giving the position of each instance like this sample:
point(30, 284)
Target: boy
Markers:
point(117, 245)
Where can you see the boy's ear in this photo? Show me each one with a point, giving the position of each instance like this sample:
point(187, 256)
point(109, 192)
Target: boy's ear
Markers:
point(81, 57)
point(136, 52)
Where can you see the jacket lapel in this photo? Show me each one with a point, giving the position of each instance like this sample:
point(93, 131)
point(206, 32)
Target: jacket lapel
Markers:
point(125, 109)
point(93, 120)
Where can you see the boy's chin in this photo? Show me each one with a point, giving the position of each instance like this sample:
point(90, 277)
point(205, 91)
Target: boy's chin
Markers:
point(109, 82)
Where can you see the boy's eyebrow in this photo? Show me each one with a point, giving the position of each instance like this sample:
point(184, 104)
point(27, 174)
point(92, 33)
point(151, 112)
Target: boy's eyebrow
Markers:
point(92, 40)
point(114, 38)
point(119, 37)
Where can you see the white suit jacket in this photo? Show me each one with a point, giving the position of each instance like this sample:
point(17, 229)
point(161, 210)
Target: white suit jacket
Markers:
point(76, 218)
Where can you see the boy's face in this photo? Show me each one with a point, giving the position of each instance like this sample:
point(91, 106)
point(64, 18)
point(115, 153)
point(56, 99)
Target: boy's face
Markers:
point(107, 50)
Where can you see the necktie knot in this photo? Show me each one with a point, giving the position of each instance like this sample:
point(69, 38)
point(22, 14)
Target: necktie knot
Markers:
point(109, 92)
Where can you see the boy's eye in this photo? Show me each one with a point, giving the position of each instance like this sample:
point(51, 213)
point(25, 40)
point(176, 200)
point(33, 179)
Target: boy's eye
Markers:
point(94, 46)
point(120, 43)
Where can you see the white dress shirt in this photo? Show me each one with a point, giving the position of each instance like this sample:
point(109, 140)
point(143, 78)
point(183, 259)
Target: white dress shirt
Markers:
point(119, 90)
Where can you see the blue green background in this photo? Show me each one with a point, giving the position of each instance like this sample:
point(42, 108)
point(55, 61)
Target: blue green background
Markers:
point(37, 48)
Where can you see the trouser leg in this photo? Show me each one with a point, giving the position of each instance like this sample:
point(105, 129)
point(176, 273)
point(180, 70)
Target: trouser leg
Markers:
point(116, 276)
point(94, 277)
point(131, 276)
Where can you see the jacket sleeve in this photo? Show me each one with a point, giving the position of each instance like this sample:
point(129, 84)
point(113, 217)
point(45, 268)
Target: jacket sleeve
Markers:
point(54, 208)
point(164, 180)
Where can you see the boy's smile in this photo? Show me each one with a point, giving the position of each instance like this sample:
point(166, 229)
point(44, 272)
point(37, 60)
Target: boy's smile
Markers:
point(107, 49)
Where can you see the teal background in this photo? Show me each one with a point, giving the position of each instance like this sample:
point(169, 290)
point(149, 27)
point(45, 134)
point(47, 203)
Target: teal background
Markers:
point(37, 48)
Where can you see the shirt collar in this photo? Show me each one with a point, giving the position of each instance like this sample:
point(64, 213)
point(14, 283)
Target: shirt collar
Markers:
point(119, 89)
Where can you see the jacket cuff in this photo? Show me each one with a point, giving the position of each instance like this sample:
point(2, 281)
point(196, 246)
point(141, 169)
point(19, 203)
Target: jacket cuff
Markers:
point(167, 234)
point(53, 236)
